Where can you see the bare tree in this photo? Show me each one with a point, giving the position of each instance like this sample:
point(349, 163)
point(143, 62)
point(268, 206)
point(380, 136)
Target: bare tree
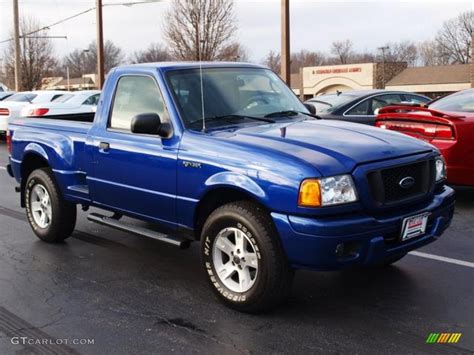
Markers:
point(362, 57)
point(342, 50)
point(273, 60)
point(306, 58)
point(37, 56)
point(303, 58)
point(431, 54)
point(84, 61)
point(404, 51)
point(202, 29)
point(154, 53)
point(234, 52)
point(455, 37)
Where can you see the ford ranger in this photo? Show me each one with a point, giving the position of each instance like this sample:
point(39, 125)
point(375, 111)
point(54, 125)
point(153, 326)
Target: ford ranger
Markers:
point(226, 154)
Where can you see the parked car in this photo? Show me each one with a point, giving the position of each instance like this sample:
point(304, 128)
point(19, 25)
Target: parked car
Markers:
point(11, 107)
point(69, 103)
point(447, 123)
point(243, 167)
point(360, 106)
point(5, 94)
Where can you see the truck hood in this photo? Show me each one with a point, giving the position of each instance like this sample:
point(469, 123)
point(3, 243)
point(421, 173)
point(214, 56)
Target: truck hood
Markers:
point(332, 147)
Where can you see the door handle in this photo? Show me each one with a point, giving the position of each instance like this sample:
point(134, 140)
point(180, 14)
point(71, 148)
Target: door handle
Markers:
point(104, 146)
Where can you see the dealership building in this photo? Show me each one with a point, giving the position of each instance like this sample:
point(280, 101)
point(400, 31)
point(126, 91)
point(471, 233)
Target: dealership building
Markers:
point(432, 81)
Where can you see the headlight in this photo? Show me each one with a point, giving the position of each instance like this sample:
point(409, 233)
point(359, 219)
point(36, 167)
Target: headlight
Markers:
point(440, 169)
point(329, 191)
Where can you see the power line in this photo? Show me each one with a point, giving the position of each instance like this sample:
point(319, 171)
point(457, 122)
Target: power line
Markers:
point(82, 13)
point(53, 24)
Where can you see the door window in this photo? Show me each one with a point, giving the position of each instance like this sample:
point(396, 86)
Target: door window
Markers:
point(360, 110)
point(92, 100)
point(135, 95)
point(380, 101)
point(56, 97)
point(415, 99)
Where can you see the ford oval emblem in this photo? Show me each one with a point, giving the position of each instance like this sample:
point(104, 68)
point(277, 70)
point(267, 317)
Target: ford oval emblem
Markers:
point(406, 182)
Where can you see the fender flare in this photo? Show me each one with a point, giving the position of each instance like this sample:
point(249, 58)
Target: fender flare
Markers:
point(237, 181)
point(35, 148)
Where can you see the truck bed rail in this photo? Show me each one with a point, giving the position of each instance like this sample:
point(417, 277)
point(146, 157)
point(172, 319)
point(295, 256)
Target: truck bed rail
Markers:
point(78, 117)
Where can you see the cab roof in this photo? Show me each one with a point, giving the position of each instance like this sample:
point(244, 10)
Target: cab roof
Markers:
point(191, 65)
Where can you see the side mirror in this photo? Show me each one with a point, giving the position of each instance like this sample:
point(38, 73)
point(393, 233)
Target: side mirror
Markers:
point(150, 123)
point(311, 108)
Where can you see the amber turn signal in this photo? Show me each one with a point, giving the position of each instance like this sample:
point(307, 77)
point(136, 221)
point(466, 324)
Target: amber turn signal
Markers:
point(310, 193)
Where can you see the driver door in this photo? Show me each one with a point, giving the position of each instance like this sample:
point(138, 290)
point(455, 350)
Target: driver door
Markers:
point(135, 173)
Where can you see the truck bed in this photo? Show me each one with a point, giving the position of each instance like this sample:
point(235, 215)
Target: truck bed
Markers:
point(62, 144)
point(55, 124)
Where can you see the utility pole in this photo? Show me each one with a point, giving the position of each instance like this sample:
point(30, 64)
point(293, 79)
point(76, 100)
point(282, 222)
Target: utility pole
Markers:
point(16, 35)
point(100, 45)
point(68, 79)
point(285, 41)
point(84, 51)
point(383, 49)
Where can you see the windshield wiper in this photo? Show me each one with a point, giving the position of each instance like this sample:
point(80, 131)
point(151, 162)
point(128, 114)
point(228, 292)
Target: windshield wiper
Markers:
point(230, 118)
point(291, 113)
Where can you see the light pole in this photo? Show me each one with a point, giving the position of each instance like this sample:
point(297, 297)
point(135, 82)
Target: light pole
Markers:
point(285, 41)
point(383, 49)
point(16, 37)
point(100, 46)
point(100, 35)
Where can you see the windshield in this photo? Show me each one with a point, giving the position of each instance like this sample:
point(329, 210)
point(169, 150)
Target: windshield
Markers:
point(22, 97)
point(460, 102)
point(329, 102)
point(236, 94)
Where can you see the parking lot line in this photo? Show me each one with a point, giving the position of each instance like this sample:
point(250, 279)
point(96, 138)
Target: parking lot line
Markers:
point(3, 168)
point(442, 258)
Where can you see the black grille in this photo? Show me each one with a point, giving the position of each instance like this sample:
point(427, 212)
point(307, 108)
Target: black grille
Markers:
point(386, 188)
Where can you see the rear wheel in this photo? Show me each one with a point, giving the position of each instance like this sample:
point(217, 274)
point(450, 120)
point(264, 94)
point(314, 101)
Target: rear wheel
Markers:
point(51, 217)
point(243, 258)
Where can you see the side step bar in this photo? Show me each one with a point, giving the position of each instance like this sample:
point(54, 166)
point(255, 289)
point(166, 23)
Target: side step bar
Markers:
point(181, 243)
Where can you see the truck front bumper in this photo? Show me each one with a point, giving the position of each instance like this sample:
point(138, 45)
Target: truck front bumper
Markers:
point(337, 242)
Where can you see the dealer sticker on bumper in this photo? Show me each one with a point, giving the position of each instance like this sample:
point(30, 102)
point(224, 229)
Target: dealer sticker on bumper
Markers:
point(414, 226)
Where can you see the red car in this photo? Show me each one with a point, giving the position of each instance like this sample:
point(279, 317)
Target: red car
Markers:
point(447, 123)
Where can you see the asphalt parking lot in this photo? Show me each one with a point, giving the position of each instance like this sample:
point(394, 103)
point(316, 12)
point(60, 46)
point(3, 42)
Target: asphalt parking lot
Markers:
point(132, 295)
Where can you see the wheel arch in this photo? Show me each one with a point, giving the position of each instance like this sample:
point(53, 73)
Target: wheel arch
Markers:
point(218, 196)
point(32, 160)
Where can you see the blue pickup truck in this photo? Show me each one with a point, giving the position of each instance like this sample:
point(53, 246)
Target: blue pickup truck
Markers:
point(226, 154)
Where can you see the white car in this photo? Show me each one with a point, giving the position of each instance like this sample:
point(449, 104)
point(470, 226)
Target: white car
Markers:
point(69, 103)
point(11, 107)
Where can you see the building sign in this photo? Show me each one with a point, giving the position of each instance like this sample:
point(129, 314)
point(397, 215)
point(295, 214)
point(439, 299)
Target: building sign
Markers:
point(333, 78)
point(338, 70)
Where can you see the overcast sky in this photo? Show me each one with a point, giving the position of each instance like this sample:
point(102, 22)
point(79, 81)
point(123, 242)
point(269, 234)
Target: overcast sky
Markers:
point(314, 24)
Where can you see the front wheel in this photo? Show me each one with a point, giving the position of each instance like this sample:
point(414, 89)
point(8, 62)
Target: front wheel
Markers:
point(51, 217)
point(243, 258)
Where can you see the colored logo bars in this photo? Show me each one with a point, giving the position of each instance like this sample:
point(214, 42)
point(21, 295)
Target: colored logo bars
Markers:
point(443, 338)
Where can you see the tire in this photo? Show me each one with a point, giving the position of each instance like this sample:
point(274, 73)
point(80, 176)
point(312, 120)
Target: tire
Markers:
point(51, 221)
point(255, 279)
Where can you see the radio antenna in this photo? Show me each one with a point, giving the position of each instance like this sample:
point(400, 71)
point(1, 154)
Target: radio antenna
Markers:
point(200, 46)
